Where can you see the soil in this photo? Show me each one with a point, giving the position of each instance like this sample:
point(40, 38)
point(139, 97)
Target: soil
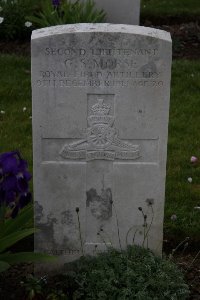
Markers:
point(185, 36)
point(191, 268)
point(15, 47)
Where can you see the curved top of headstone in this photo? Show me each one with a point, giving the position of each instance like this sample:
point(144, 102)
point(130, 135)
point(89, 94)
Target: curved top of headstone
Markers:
point(101, 27)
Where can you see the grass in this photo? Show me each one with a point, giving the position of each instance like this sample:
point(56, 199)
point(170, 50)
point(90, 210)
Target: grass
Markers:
point(15, 94)
point(184, 141)
point(170, 8)
point(184, 135)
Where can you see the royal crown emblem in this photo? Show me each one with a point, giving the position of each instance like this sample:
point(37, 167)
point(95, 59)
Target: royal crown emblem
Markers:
point(102, 141)
point(100, 114)
point(100, 108)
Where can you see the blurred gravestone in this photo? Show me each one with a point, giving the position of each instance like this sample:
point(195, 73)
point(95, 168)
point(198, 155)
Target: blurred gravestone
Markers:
point(120, 12)
point(100, 122)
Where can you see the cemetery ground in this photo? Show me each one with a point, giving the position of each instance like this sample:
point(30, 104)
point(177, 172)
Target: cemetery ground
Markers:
point(182, 206)
point(182, 196)
point(172, 10)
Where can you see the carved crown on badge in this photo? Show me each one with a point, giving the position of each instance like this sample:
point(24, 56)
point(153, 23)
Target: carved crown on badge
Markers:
point(100, 108)
point(100, 114)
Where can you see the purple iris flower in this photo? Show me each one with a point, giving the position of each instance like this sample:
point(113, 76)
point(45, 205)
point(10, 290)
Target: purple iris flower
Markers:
point(8, 163)
point(56, 3)
point(14, 180)
point(24, 199)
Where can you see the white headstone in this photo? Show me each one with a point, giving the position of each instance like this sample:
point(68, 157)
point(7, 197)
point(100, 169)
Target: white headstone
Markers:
point(120, 11)
point(100, 123)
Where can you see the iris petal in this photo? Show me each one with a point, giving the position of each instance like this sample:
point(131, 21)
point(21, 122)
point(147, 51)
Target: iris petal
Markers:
point(9, 164)
point(24, 200)
point(27, 175)
point(15, 212)
point(2, 196)
point(22, 165)
point(14, 178)
point(22, 185)
point(10, 184)
point(10, 196)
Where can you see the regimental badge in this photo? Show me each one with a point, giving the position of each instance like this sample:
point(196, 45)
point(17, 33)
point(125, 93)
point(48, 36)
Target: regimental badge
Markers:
point(102, 141)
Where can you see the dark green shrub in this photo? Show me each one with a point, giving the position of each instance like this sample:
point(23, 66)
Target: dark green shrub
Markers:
point(19, 17)
point(133, 274)
point(14, 14)
point(66, 12)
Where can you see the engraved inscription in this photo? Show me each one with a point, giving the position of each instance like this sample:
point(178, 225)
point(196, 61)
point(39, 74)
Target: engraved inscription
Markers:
point(99, 52)
point(79, 81)
point(102, 141)
point(61, 251)
point(96, 67)
point(92, 155)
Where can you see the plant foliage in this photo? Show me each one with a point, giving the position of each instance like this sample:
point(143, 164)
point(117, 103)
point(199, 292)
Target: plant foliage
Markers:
point(13, 231)
point(67, 12)
point(16, 211)
point(14, 14)
point(133, 274)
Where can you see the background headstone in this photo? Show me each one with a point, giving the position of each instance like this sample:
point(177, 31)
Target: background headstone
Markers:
point(100, 123)
point(120, 12)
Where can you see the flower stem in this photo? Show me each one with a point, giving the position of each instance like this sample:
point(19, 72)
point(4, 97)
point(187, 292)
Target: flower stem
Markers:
point(79, 227)
point(118, 232)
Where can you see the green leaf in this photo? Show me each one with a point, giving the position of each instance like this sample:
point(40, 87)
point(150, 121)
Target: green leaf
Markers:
point(20, 222)
point(2, 212)
point(26, 257)
point(67, 13)
point(14, 237)
point(4, 266)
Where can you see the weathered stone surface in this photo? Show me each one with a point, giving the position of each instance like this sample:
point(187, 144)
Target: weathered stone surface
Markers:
point(100, 122)
point(120, 12)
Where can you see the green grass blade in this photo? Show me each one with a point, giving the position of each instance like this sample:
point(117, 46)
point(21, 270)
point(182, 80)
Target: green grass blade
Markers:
point(20, 222)
point(26, 257)
point(13, 238)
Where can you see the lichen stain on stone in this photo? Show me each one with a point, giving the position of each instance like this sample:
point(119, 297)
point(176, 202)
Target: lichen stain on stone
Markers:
point(38, 212)
point(45, 235)
point(100, 205)
point(67, 217)
point(46, 231)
